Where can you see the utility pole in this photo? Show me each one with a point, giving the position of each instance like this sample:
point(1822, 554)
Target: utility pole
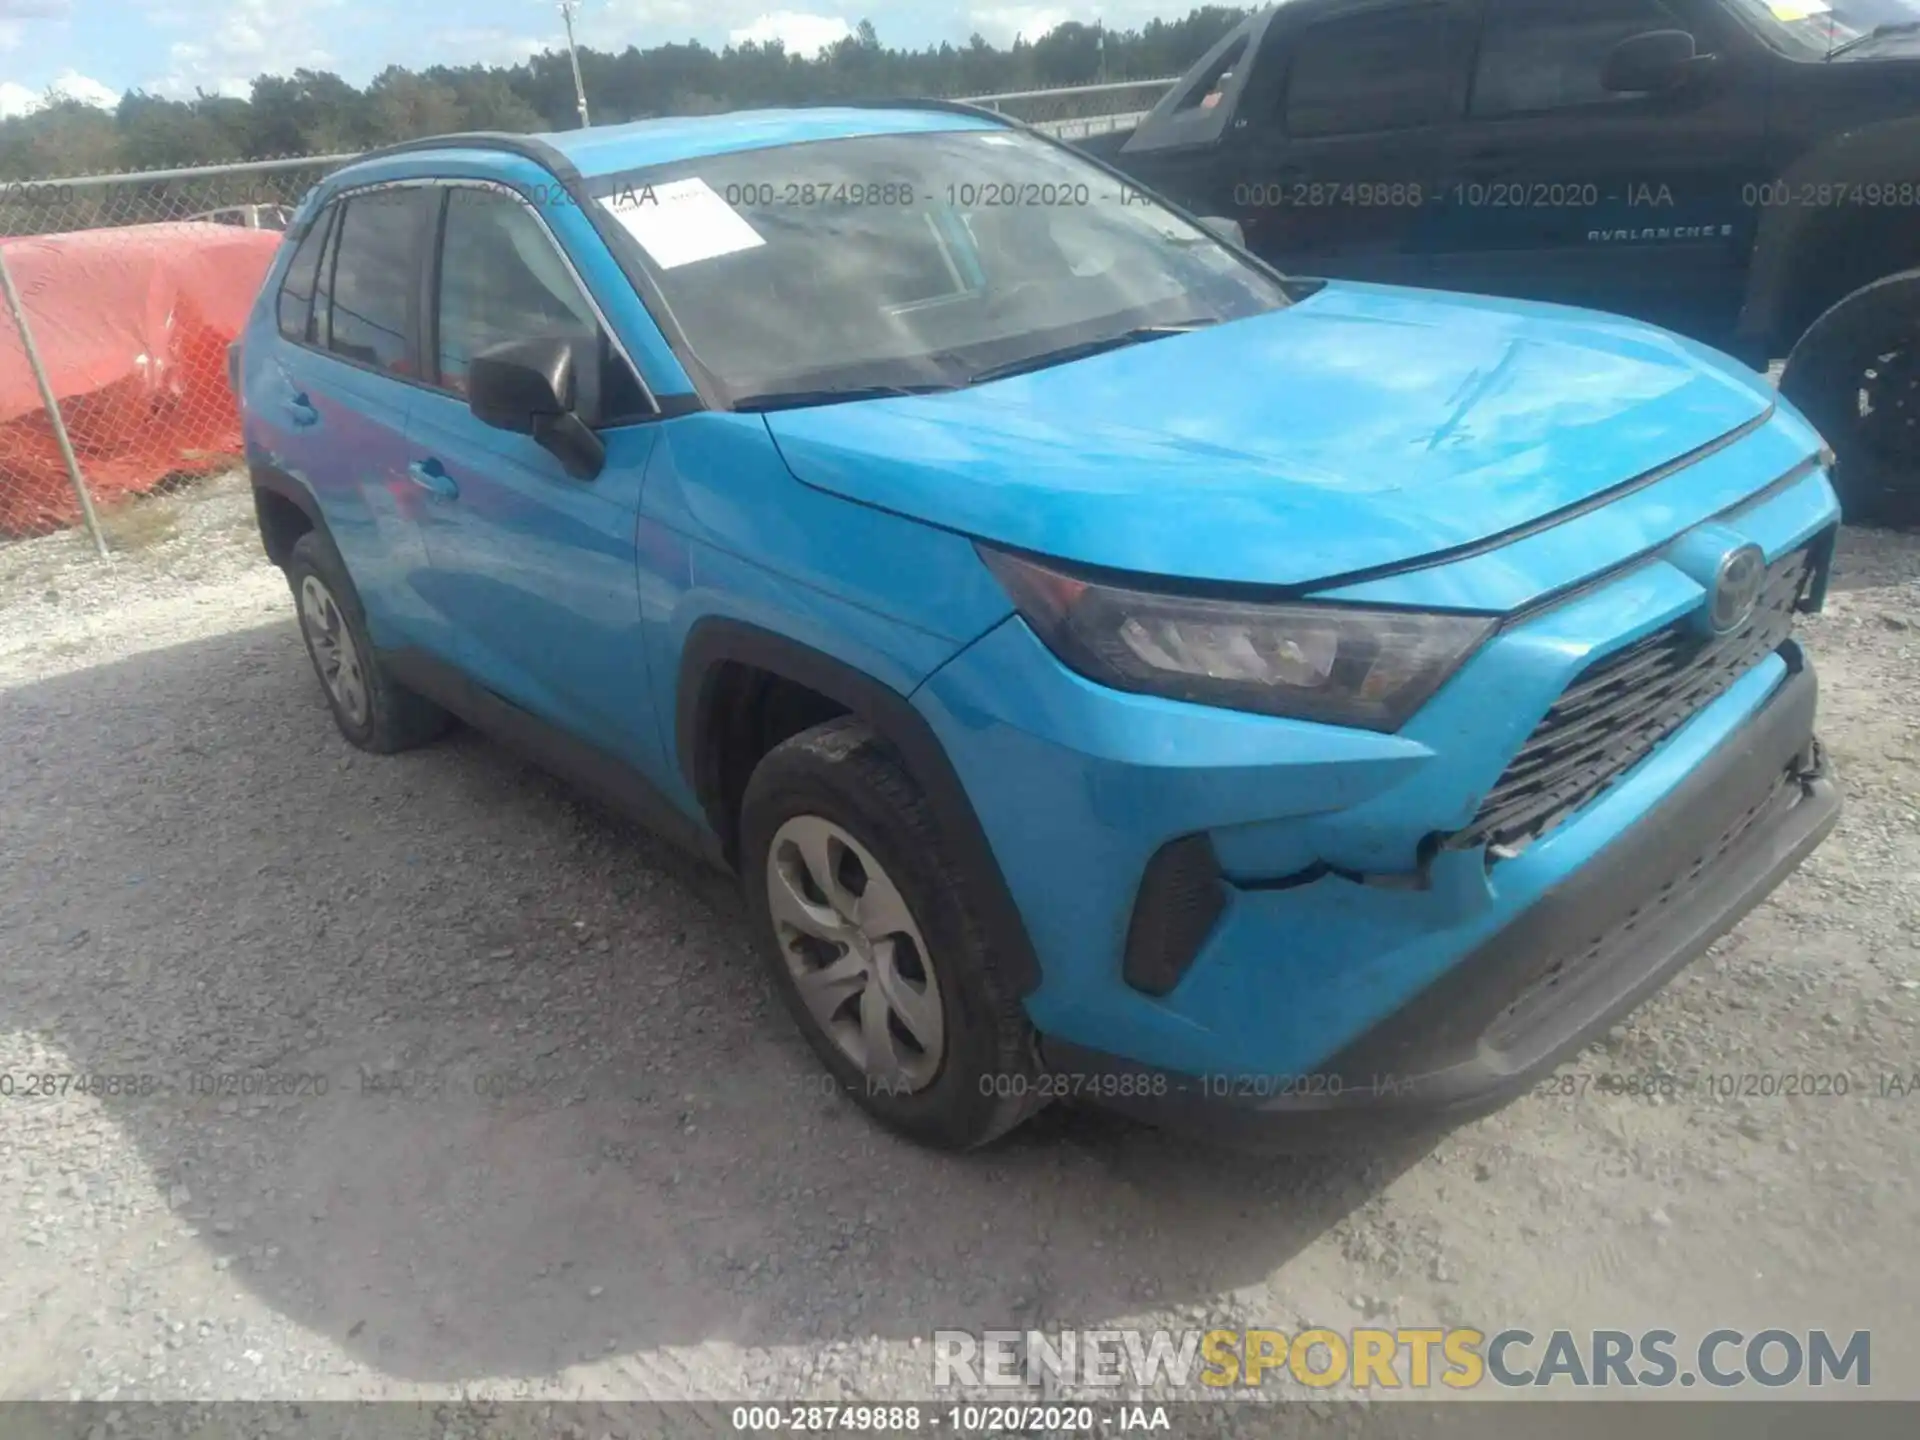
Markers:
point(573, 56)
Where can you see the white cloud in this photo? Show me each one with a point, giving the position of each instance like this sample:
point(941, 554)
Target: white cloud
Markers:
point(800, 32)
point(486, 45)
point(644, 15)
point(646, 23)
point(17, 99)
point(72, 85)
point(1001, 23)
point(233, 41)
point(616, 24)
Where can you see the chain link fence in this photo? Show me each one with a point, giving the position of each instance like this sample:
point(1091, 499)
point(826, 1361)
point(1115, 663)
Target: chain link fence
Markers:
point(120, 293)
point(1084, 111)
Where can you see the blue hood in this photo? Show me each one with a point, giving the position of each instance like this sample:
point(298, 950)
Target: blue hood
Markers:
point(1364, 426)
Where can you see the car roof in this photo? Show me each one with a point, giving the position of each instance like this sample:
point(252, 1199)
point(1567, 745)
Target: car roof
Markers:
point(615, 149)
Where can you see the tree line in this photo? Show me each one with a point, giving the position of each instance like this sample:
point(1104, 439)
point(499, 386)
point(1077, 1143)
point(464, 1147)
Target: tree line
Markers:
point(317, 112)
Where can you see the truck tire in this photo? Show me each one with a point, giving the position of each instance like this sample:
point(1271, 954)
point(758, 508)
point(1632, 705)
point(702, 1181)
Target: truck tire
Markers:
point(1856, 375)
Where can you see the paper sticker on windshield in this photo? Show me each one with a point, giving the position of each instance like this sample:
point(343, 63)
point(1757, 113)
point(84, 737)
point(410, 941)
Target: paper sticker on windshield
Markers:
point(681, 222)
point(1787, 11)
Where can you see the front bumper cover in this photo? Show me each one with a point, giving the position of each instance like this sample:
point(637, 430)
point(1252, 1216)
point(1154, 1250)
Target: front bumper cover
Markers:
point(1542, 988)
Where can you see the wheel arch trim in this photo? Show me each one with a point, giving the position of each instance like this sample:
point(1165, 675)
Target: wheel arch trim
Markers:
point(272, 480)
point(716, 641)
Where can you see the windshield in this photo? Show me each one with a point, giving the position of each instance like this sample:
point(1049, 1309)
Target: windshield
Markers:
point(915, 260)
point(1819, 27)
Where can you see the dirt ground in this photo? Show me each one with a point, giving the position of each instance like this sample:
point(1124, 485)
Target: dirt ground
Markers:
point(546, 1132)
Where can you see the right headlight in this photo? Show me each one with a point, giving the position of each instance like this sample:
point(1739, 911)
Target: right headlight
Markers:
point(1364, 666)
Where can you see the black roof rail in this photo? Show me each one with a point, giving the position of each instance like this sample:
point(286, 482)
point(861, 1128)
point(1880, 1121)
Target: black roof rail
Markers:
point(541, 152)
point(531, 147)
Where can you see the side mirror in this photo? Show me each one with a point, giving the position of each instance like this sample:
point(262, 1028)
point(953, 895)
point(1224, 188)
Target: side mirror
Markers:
point(1652, 61)
point(1224, 229)
point(527, 386)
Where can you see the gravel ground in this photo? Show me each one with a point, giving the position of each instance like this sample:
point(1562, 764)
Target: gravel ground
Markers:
point(570, 1147)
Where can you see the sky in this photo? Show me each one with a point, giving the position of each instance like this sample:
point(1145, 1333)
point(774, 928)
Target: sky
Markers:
point(94, 50)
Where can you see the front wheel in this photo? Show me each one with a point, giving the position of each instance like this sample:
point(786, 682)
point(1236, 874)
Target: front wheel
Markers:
point(874, 943)
point(1856, 375)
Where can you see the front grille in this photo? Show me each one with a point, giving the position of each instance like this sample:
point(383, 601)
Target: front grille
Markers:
point(1559, 981)
point(1620, 707)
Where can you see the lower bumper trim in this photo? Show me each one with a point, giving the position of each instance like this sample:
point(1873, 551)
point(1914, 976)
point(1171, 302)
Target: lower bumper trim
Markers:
point(1560, 974)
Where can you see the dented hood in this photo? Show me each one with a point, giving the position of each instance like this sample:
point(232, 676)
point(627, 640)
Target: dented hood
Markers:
point(1362, 427)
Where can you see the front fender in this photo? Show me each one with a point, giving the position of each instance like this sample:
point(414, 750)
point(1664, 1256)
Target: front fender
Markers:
point(716, 640)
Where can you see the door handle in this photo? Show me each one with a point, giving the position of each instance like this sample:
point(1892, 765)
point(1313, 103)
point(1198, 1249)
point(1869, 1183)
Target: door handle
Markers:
point(300, 410)
point(430, 474)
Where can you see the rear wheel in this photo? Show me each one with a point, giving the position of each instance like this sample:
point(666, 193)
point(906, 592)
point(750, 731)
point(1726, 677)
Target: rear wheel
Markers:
point(372, 710)
point(1856, 375)
point(874, 943)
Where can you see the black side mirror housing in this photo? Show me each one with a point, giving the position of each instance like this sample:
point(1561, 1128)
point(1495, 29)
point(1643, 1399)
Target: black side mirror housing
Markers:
point(1655, 60)
point(527, 386)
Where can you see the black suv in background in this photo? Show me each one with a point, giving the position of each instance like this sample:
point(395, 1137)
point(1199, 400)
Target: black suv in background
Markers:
point(1744, 171)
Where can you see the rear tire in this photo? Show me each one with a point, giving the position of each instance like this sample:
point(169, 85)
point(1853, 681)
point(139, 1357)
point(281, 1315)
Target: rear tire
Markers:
point(1856, 375)
point(857, 902)
point(372, 710)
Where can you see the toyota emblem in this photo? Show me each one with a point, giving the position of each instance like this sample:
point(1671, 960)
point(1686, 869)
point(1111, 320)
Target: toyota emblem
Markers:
point(1737, 584)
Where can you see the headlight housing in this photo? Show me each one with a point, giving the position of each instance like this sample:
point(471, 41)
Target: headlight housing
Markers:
point(1362, 666)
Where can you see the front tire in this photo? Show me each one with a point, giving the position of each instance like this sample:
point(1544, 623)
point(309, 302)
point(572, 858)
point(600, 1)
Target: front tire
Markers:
point(875, 945)
point(1856, 375)
point(372, 710)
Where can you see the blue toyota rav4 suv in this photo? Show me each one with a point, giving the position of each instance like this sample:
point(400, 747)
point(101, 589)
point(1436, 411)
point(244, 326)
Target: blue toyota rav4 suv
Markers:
point(1115, 669)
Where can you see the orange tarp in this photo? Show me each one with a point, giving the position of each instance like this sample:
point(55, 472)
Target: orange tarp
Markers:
point(132, 324)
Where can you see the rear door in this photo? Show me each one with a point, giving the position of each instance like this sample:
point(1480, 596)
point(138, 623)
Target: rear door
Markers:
point(1339, 134)
point(534, 572)
point(343, 386)
point(279, 408)
point(1556, 188)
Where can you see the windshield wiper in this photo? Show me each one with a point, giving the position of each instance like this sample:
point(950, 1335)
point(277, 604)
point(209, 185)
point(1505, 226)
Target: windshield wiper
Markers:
point(1085, 348)
point(795, 399)
point(1879, 32)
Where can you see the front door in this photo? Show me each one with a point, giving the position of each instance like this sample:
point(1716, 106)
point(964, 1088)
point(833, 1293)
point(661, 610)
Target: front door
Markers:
point(1337, 138)
point(1557, 188)
point(534, 571)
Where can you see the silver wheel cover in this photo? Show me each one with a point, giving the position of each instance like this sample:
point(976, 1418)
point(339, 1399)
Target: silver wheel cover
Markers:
point(856, 954)
point(335, 655)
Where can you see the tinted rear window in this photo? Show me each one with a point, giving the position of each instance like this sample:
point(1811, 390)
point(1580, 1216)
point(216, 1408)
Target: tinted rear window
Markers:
point(303, 274)
point(375, 274)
